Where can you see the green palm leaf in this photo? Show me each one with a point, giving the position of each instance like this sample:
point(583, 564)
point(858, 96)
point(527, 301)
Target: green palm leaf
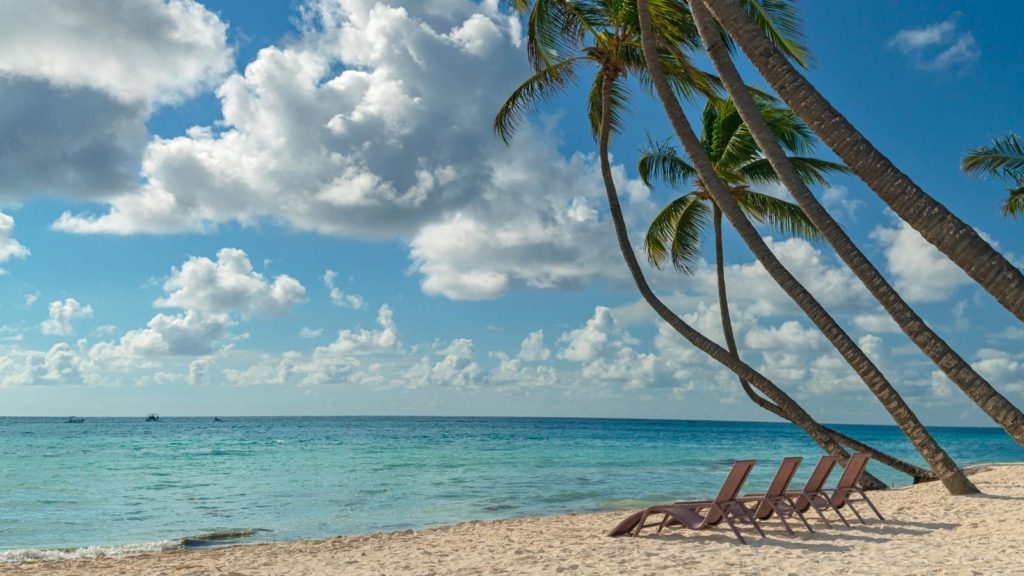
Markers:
point(677, 233)
point(542, 86)
point(781, 24)
point(616, 112)
point(785, 217)
point(811, 170)
point(661, 161)
point(1005, 157)
point(1014, 205)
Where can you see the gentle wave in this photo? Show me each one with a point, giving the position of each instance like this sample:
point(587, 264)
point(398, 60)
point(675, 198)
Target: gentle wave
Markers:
point(209, 539)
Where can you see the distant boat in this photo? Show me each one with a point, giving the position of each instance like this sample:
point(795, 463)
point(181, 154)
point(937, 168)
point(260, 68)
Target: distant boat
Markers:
point(73, 420)
point(153, 418)
point(216, 419)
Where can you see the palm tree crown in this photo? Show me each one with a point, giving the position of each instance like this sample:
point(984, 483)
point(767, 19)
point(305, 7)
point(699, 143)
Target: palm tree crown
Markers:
point(563, 35)
point(1004, 159)
point(676, 233)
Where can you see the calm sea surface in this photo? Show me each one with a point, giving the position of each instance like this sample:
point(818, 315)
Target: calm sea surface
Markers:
point(111, 485)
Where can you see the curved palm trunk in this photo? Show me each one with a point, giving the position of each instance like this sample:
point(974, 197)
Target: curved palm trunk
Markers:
point(943, 229)
point(701, 342)
point(868, 480)
point(997, 406)
point(952, 477)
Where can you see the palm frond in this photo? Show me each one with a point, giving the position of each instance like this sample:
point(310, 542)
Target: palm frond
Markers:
point(661, 161)
point(619, 105)
point(1014, 205)
point(811, 170)
point(779, 21)
point(1004, 158)
point(540, 87)
point(554, 32)
point(791, 131)
point(677, 233)
point(785, 217)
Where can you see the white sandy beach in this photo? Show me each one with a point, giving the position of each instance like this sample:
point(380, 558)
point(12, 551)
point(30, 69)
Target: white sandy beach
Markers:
point(926, 532)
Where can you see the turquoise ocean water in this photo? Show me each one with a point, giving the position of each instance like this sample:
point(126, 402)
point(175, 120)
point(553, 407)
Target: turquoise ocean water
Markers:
point(115, 485)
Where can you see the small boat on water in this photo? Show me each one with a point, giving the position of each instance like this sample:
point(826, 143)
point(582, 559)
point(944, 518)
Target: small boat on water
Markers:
point(216, 419)
point(153, 418)
point(74, 420)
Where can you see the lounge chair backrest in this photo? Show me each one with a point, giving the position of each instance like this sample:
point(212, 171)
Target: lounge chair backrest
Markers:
point(779, 484)
point(733, 483)
point(854, 468)
point(783, 476)
point(851, 476)
point(820, 474)
point(731, 488)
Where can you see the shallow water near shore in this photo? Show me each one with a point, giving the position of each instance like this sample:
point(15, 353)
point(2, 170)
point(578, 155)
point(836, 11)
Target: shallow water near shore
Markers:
point(110, 486)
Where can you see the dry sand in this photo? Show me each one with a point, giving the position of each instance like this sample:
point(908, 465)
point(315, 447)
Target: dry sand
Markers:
point(926, 532)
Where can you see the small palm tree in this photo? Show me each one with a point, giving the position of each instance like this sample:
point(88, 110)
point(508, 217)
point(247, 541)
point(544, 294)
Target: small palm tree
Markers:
point(1003, 159)
point(677, 232)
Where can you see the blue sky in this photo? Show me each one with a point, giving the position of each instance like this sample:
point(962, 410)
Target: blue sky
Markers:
point(301, 210)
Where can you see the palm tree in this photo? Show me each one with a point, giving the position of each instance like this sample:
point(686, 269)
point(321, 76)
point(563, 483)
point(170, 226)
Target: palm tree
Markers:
point(1003, 159)
point(940, 227)
point(682, 224)
point(606, 33)
point(676, 233)
point(792, 175)
point(947, 471)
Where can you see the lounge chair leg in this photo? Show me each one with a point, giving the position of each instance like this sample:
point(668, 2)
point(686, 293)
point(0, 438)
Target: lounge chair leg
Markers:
point(664, 521)
point(822, 516)
point(782, 518)
point(840, 514)
point(871, 504)
point(735, 530)
point(753, 520)
point(640, 524)
point(799, 514)
point(855, 513)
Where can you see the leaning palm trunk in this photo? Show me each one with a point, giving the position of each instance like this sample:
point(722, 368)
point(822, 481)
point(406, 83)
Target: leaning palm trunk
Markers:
point(701, 342)
point(997, 406)
point(943, 229)
point(951, 475)
point(869, 481)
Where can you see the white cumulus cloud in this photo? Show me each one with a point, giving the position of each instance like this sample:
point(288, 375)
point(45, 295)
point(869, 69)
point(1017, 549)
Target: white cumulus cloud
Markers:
point(229, 284)
point(9, 247)
point(62, 314)
point(921, 272)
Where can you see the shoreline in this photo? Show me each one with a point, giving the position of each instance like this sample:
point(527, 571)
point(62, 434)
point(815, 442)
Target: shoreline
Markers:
point(926, 531)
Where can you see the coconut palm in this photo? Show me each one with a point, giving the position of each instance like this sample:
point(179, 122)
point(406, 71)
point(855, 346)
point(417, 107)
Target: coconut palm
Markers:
point(762, 129)
point(947, 471)
point(682, 224)
point(940, 227)
point(1003, 159)
point(603, 35)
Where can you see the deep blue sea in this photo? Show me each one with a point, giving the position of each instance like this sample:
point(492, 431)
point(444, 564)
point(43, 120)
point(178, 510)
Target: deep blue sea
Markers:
point(111, 485)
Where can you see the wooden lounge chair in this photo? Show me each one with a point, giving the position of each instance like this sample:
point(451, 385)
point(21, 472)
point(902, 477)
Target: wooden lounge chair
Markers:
point(813, 496)
point(812, 492)
point(777, 500)
point(849, 486)
point(699, 514)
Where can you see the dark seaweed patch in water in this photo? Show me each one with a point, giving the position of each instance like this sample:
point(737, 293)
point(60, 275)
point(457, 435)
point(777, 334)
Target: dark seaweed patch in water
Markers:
point(222, 538)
